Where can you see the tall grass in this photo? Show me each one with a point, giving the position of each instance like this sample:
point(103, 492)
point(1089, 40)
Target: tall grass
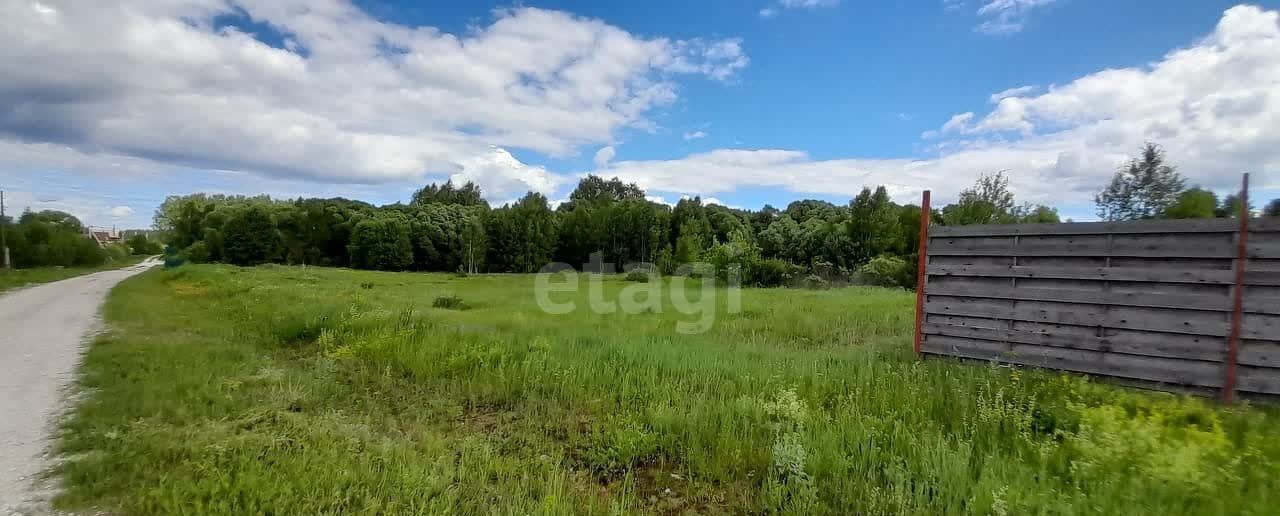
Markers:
point(317, 391)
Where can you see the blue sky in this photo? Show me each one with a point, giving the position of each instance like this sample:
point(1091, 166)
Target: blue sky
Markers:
point(113, 107)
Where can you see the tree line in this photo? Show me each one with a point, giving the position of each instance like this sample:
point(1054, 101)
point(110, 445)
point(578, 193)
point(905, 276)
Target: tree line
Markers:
point(1148, 188)
point(448, 227)
point(53, 238)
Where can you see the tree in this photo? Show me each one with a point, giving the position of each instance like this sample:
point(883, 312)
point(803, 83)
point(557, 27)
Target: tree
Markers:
point(872, 221)
point(250, 237)
point(522, 236)
point(1193, 203)
point(1230, 207)
point(1144, 188)
point(140, 244)
point(989, 201)
point(468, 195)
point(1272, 209)
point(1038, 214)
point(381, 244)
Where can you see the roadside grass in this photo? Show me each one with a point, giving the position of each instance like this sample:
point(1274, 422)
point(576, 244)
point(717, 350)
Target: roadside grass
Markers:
point(281, 390)
point(17, 278)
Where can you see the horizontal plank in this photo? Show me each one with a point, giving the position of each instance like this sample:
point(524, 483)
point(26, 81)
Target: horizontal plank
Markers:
point(1185, 322)
point(1094, 228)
point(1164, 248)
point(1169, 370)
point(1154, 274)
point(1264, 225)
point(1268, 278)
point(1154, 299)
point(1258, 379)
point(1209, 349)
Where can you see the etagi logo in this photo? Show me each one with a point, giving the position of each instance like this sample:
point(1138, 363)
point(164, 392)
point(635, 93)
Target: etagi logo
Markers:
point(653, 296)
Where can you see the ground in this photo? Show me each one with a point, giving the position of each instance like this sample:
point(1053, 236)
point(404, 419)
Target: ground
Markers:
point(284, 390)
point(42, 330)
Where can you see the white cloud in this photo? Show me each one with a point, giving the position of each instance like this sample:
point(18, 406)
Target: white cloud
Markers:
point(604, 156)
point(120, 212)
point(694, 135)
point(807, 4)
point(504, 176)
point(1011, 92)
point(1007, 16)
point(348, 98)
point(772, 10)
point(1213, 106)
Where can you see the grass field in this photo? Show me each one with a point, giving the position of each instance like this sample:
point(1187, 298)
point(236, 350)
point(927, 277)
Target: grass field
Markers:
point(320, 391)
point(17, 278)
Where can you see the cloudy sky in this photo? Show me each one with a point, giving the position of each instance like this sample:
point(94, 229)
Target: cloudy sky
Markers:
point(107, 107)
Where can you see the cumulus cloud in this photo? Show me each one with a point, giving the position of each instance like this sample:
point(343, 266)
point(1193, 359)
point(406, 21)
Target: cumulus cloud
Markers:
point(120, 212)
point(694, 135)
point(604, 156)
point(344, 98)
point(1213, 106)
point(768, 12)
point(1006, 16)
point(504, 176)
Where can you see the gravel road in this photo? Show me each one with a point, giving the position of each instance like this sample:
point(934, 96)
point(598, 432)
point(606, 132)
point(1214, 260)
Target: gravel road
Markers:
point(43, 330)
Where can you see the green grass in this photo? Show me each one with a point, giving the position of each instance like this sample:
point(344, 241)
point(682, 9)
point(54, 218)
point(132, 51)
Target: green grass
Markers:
point(287, 391)
point(18, 278)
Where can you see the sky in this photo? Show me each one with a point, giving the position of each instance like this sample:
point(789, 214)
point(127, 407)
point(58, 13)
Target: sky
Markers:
point(106, 108)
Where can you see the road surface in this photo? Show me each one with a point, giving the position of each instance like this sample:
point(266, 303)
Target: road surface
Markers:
point(43, 330)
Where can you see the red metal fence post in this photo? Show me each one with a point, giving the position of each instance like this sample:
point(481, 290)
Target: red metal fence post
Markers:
point(926, 214)
point(1237, 298)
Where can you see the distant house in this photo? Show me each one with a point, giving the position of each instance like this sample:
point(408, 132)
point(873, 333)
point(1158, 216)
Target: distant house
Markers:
point(105, 238)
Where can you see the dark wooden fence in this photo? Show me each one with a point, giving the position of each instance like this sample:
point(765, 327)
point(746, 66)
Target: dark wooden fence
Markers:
point(1153, 301)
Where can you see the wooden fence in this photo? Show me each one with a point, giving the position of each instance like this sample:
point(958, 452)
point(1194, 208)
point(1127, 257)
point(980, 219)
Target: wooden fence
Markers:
point(1154, 301)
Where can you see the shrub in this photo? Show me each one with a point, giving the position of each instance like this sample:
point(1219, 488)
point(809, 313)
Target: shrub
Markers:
point(117, 252)
point(452, 302)
point(640, 275)
point(196, 253)
point(888, 271)
point(773, 273)
point(816, 281)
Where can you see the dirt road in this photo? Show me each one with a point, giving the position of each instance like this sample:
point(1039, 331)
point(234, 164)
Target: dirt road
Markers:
point(42, 333)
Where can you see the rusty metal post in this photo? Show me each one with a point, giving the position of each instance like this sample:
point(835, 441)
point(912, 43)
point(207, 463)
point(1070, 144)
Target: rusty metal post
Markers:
point(1237, 298)
point(926, 214)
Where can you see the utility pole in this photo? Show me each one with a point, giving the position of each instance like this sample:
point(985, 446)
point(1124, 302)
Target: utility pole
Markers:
point(4, 244)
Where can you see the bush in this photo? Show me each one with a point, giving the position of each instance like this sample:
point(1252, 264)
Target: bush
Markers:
point(117, 252)
point(450, 303)
point(640, 275)
point(816, 282)
point(773, 273)
point(196, 253)
point(888, 271)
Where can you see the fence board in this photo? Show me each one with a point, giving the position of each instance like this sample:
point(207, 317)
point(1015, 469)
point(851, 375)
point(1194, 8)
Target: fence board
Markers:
point(1212, 302)
point(1091, 228)
point(1222, 277)
point(1184, 322)
point(1186, 372)
point(1148, 301)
